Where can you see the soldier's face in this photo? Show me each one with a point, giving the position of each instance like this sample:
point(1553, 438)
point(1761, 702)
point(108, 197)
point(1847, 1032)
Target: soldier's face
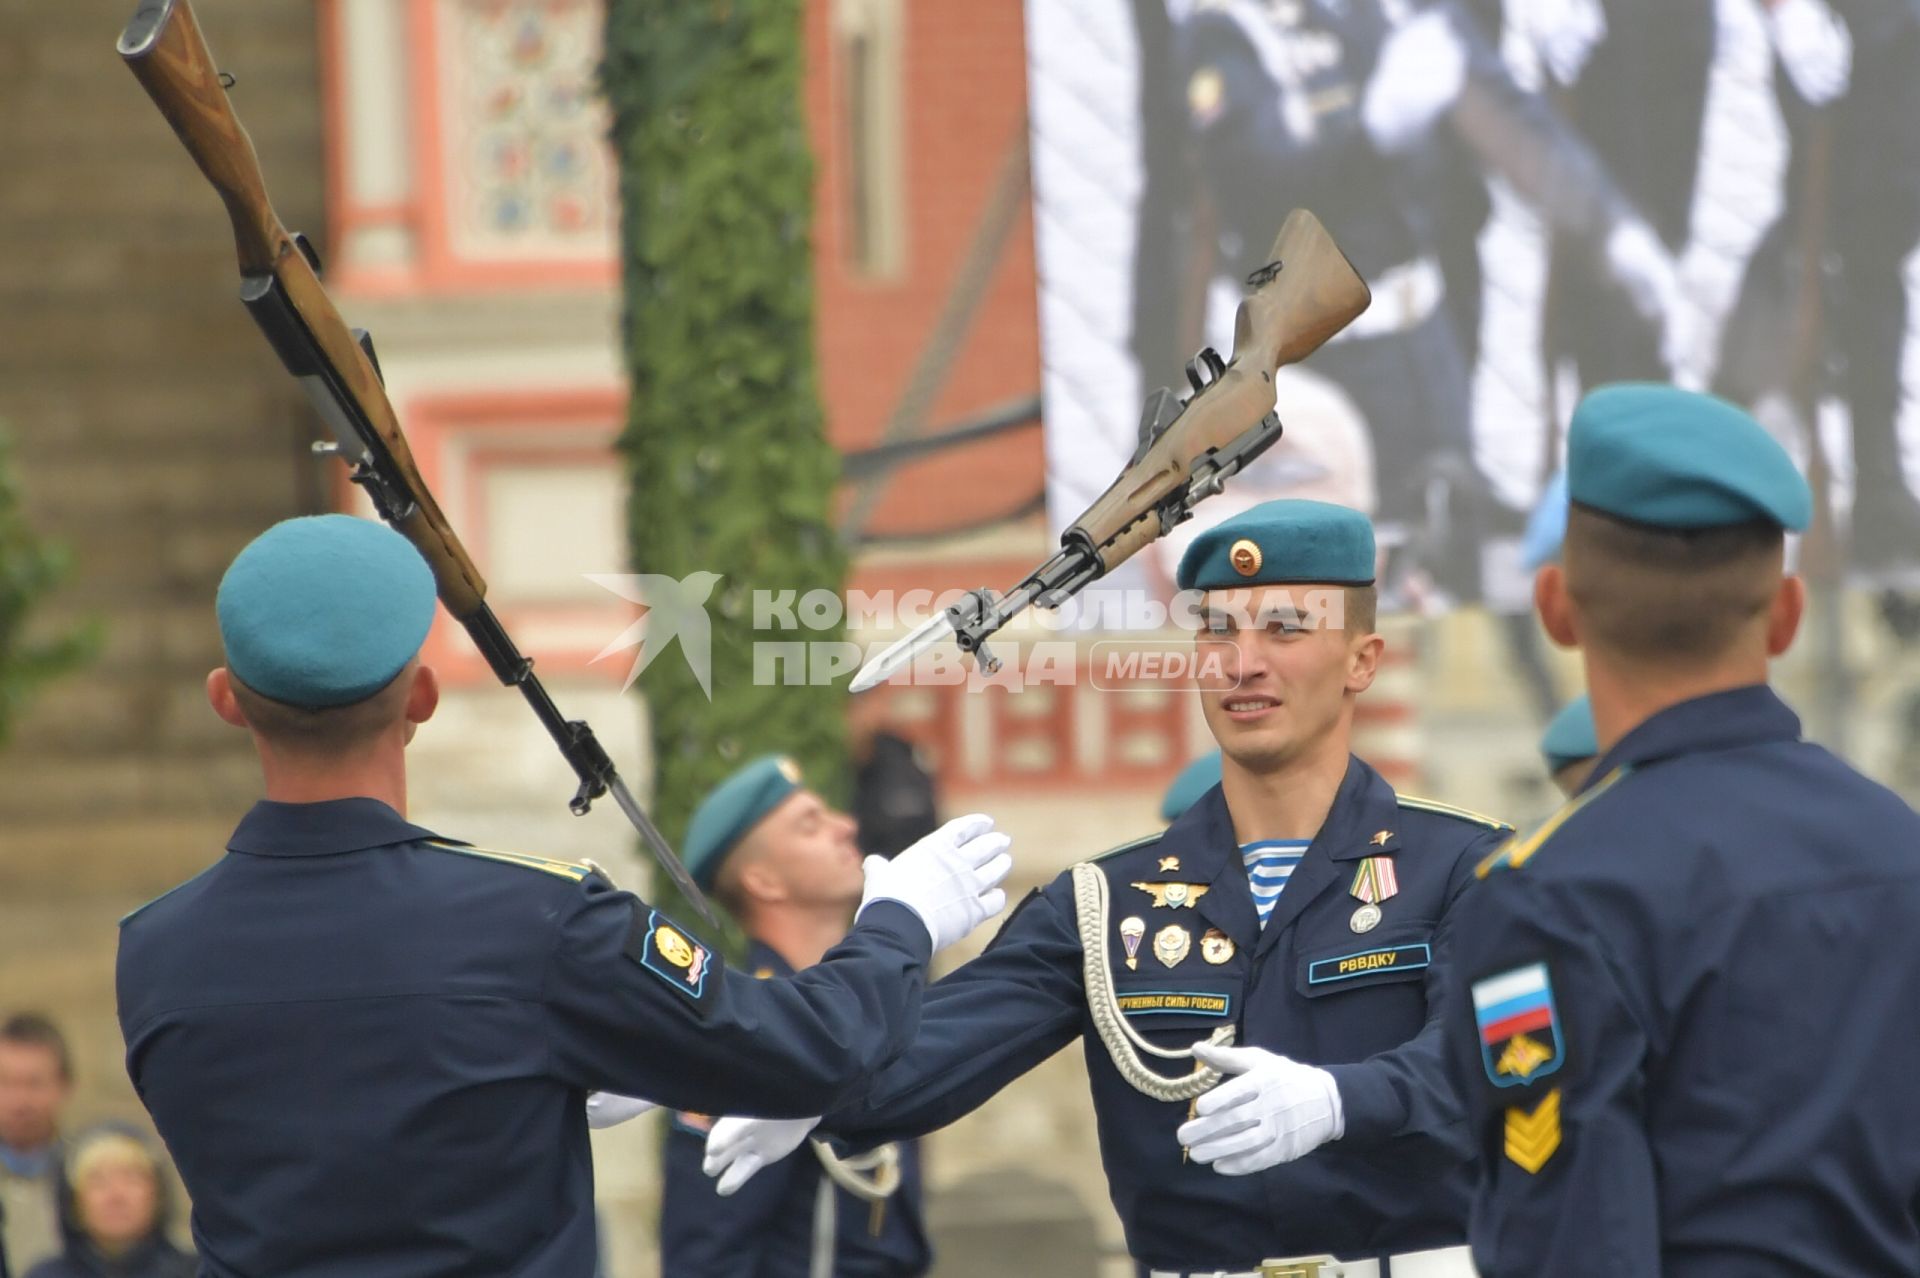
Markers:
point(812, 849)
point(1278, 669)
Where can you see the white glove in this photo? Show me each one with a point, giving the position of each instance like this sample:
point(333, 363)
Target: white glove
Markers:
point(1565, 32)
point(1276, 1111)
point(1422, 67)
point(1639, 261)
point(605, 1109)
point(739, 1147)
point(1814, 46)
point(951, 878)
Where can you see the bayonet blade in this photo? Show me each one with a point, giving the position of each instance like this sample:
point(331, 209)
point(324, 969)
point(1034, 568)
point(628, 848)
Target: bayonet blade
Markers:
point(662, 851)
point(902, 652)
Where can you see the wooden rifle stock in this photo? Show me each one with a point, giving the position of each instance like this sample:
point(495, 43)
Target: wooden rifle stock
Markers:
point(1306, 293)
point(164, 48)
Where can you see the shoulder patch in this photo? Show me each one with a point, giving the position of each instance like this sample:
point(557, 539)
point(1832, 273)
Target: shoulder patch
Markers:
point(1128, 846)
point(670, 954)
point(1519, 1026)
point(525, 860)
point(1449, 810)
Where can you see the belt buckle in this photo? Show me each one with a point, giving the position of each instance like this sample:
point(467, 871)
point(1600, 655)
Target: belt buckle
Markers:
point(1321, 1266)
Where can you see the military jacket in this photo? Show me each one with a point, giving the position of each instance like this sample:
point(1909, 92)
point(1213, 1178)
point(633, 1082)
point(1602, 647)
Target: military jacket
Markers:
point(1363, 1004)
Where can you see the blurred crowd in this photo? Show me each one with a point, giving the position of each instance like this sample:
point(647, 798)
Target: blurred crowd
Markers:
point(93, 1203)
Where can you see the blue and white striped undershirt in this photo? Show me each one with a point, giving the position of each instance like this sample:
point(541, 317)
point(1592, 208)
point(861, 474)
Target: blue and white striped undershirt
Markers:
point(1270, 863)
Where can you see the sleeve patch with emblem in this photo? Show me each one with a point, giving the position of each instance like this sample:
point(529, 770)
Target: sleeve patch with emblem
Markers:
point(1533, 1135)
point(671, 955)
point(1519, 1030)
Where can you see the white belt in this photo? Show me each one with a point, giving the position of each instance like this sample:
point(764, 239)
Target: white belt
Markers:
point(1443, 1262)
point(1403, 297)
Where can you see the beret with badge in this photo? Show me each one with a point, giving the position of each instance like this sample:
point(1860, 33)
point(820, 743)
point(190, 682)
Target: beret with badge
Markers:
point(731, 809)
point(324, 610)
point(1291, 541)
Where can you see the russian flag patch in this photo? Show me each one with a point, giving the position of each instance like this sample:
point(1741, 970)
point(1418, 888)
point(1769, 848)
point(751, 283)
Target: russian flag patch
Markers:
point(1519, 1029)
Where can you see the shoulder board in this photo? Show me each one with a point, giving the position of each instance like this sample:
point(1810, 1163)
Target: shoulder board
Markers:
point(129, 915)
point(525, 860)
point(1449, 810)
point(1128, 846)
point(1518, 850)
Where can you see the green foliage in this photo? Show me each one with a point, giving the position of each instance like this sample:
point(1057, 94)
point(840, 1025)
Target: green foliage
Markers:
point(29, 569)
point(730, 469)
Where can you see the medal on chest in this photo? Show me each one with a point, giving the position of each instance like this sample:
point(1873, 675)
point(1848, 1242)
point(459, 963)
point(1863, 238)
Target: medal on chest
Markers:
point(1373, 882)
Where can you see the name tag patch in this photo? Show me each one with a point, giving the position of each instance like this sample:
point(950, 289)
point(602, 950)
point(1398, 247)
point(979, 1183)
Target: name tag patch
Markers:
point(1185, 1002)
point(671, 955)
point(1347, 967)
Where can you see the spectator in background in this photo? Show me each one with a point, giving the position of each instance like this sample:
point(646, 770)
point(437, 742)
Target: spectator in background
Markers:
point(895, 802)
point(36, 1079)
point(115, 1226)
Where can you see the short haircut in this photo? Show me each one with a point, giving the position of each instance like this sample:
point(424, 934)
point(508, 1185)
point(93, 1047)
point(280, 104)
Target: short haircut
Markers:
point(32, 1029)
point(1363, 609)
point(329, 731)
point(1670, 597)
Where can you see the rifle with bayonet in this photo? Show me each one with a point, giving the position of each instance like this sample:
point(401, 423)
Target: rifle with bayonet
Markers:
point(280, 285)
point(1188, 448)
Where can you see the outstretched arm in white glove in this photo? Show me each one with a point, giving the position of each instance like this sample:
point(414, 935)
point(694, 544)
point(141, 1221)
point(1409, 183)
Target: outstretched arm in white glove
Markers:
point(950, 879)
point(739, 1147)
point(1276, 1111)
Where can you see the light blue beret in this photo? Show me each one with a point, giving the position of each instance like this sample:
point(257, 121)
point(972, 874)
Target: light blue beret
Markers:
point(1546, 527)
point(1194, 780)
point(1570, 737)
point(731, 809)
point(1290, 541)
point(324, 610)
point(1670, 458)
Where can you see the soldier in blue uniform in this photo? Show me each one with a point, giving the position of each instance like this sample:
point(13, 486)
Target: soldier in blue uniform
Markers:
point(1299, 907)
point(1683, 1020)
point(788, 868)
point(367, 1045)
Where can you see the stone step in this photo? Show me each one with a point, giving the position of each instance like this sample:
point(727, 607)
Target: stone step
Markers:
point(245, 485)
point(137, 856)
point(38, 786)
point(140, 420)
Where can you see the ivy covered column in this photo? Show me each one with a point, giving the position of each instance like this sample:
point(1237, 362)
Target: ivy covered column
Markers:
point(729, 466)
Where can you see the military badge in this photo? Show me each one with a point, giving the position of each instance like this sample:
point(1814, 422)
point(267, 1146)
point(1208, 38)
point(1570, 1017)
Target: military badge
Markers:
point(1171, 896)
point(671, 955)
point(1131, 930)
point(1216, 947)
point(1373, 883)
point(1171, 944)
point(1533, 1135)
point(1169, 865)
point(1519, 1030)
point(1245, 557)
